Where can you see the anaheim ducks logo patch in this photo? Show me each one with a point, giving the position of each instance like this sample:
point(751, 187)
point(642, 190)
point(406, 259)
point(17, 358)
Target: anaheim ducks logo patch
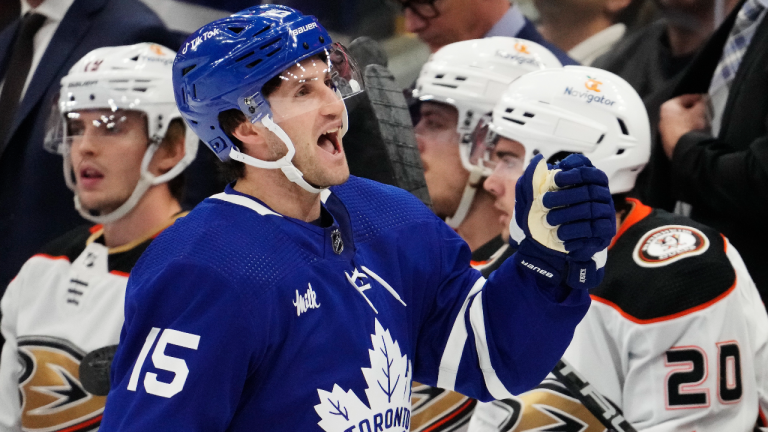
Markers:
point(52, 398)
point(667, 244)
point(549, 407)
point(555, 411)
point(436, 409)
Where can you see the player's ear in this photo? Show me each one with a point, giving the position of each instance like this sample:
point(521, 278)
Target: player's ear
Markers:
point(253, 137)
point(171, 149)
point(614, 7)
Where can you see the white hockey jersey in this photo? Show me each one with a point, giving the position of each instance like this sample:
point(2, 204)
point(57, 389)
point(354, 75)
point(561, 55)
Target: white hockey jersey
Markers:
point(65, 302)
point(676, 338)
point(676, 335)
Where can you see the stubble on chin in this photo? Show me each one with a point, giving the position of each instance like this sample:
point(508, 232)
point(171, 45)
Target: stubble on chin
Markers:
point(100, 207)
point(442, 207)
point(321, 177)
point(328, 179)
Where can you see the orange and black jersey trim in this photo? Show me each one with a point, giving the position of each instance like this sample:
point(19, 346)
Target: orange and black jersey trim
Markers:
point(647, 285)
point(121, 259)
point(484, 254)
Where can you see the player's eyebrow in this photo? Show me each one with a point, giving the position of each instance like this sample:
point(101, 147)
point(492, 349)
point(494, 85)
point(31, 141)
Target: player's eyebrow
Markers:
point(433, 112)
point(298, 80)
point(504, 153)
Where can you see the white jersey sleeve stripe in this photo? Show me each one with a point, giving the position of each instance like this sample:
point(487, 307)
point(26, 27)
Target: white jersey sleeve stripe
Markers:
point(245, 202)
point(755, 308)
point(492, 381)
point(10, 366)
point(449, 363)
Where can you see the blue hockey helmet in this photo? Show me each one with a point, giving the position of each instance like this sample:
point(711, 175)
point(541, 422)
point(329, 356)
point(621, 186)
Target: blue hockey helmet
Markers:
point(225, 64)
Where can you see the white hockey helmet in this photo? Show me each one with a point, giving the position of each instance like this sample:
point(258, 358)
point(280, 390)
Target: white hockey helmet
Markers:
point(123, 78)
point(471, 76)
point(575, 109)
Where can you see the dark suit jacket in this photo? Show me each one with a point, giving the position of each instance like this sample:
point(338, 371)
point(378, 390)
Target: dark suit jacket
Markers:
point(35, 204)
point(724, 178)
point(529, 32)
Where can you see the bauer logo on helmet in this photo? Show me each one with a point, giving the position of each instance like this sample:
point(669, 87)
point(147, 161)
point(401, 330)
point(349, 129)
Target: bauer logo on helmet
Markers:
point(303, 29)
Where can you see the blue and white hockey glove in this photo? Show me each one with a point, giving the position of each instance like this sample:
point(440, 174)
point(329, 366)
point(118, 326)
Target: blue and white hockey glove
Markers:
point(564, 221)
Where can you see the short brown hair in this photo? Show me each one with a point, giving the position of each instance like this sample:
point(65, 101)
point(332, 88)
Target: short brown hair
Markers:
point(229, 120)
point(176, 131)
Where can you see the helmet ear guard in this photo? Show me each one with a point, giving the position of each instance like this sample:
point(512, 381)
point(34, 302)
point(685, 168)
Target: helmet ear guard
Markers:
point(191, 142)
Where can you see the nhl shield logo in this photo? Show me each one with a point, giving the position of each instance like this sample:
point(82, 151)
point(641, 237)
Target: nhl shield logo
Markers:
point(667, 244)
point(336, 242)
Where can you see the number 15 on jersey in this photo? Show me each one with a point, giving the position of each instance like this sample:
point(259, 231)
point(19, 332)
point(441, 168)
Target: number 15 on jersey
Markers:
point(164, 362)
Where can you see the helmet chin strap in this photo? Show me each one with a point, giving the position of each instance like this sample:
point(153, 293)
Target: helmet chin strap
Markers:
point(284, 164)
point(142, 186)
point(146, 180)
point(466, 199)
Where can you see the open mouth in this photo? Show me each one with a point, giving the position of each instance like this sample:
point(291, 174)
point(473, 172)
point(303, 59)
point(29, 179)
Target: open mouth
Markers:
point(329, 141)
point(90, 173)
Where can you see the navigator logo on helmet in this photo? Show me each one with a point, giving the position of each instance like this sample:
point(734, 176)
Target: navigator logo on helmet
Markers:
point(115, 80)
point(537, 113)
point(470, 76)
point(521, 48)
point(236, 58)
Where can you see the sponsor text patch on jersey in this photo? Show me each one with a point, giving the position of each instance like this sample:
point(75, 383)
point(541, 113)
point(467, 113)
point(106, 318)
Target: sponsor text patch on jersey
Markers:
point(667, 244)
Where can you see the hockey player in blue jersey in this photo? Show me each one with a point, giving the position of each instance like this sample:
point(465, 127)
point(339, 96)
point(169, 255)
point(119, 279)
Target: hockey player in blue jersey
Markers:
point(302, 299)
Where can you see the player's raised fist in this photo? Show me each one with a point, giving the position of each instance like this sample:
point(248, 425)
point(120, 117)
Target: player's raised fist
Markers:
point(564, 221)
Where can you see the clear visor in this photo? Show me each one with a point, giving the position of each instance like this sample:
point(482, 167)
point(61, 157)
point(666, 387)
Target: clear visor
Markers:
point(317, 84)
point(100, 125)
point(494, 153)
point(436, 126)
point(54, 129)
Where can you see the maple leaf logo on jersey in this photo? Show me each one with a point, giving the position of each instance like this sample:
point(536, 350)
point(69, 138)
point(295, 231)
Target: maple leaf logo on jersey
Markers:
point(389, 393)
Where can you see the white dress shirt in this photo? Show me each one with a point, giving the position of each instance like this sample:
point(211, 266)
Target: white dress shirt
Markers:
point(510, 23)
point(598, 44)
point(54, 11)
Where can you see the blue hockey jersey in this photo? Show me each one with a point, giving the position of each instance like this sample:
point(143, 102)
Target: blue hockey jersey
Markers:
point(240, 319)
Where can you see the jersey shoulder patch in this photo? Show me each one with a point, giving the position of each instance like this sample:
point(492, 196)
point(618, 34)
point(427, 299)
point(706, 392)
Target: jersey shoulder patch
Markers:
point(669, 243)
point(665, 266)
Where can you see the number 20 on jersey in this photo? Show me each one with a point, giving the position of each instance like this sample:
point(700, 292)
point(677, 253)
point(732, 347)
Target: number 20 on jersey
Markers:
point(690, 371)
